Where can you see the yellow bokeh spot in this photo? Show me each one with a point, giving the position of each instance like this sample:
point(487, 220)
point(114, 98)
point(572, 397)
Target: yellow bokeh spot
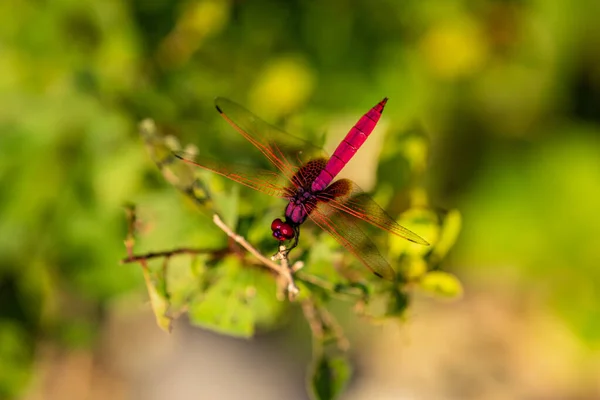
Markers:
point(441, 284)
point(199, 20)
point(454, 50)
point(418, 197)
point(204, 17)
point(416, 151)
point(415, 268)
point(449, 233)
point(283, 86)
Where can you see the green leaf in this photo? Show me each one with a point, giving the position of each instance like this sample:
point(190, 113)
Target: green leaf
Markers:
point(442, 284)
point(449, 233)
point(413, 267)
point(159, 302)
point(184, 276)
point(242, 298)
point(329, 376)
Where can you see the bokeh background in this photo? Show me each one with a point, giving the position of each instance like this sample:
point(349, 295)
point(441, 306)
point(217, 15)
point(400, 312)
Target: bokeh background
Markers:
point(508, 93)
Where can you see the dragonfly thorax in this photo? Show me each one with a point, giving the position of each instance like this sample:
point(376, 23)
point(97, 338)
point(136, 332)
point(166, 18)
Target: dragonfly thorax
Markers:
point(296, 213)
point(300, 206)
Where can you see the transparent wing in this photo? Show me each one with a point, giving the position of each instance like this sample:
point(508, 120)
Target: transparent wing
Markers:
point(283, 150)
point(269, 182)
point(345, 230)
point(345, 195)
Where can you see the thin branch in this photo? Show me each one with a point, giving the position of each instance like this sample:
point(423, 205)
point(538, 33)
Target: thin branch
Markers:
point(130, 239)
point(314, 321)
point(167, 254)
point(129, 244)
point(298, 265)
point(282, 269)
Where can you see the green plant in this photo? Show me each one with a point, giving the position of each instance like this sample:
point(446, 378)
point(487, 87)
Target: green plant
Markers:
point(233, 289)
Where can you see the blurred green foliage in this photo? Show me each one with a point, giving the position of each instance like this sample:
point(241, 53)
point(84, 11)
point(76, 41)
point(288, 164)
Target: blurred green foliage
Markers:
point(507, 91)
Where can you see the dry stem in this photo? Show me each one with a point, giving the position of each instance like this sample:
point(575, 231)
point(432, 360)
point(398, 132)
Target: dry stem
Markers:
point(283, 269)
point(166, 254)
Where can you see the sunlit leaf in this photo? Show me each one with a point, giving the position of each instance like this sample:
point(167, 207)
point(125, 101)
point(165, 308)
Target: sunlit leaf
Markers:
point(184, 275)
point(159, 303)
point(449, 233)
point(414, 267)
point(442, 284)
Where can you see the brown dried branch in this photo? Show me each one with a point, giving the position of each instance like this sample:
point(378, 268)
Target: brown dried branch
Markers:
point(166, 254)
point(163, 320)
point(282, 269)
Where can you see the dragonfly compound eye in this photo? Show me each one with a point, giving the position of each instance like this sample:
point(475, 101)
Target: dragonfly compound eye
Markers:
point(282, 230)
point(276, 224)
point(287, 232)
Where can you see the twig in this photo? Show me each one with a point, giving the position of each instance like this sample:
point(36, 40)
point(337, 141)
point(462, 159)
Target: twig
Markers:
point(129, 244)
point(282, 269)
point(282, 255)
point(329, 287)
point(315, 323)
point(298, 265)
point(167, 254)
point(130, 240)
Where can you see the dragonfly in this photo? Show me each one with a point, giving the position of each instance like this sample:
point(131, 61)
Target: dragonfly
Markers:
point(304, 175)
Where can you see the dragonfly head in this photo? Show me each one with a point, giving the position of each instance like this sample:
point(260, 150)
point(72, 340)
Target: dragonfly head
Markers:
point(282, 230)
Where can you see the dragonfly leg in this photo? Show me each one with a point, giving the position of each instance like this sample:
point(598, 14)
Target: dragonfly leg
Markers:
point(296, 239)
point(295, 243)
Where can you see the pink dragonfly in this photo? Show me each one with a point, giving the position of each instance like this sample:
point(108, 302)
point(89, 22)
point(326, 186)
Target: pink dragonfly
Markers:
point(302, 174)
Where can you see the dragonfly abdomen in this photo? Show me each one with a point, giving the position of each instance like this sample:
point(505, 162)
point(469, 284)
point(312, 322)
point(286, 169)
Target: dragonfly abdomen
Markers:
point(349, 146)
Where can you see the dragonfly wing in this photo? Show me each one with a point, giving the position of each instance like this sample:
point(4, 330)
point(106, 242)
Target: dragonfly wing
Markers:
point(265, 181)
point(283, 150)
point(345, 230)
point(345, 195)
